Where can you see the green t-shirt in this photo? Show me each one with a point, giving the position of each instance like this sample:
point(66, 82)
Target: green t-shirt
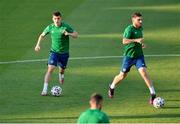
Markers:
point(60, 42)
point(93, 116)
point(134, 49)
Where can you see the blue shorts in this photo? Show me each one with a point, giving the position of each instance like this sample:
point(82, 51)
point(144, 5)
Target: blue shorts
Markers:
point(58, 59)
point(129, 62)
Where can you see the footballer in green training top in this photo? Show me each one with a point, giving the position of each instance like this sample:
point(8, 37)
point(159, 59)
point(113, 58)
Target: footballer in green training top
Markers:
point(94, 115)
point(133, 55)
point(59, 52)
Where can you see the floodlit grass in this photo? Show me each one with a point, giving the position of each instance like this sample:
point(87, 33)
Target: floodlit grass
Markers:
point(100, 24)
point(174, 7)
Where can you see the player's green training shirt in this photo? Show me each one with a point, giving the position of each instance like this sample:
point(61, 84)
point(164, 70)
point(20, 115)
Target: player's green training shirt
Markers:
point(60, 42)
point(134, 49)
point(93, 116)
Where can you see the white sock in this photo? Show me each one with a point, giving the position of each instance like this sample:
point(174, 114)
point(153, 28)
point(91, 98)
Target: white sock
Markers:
point(152, 91)
point(112, 86)
point(45, 88)
point(61, 75)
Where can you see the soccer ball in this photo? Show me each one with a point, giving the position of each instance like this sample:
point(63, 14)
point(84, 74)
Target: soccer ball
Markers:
point(158, 102)
point(56, 91)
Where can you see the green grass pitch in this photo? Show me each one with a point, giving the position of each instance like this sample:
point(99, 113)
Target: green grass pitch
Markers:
point(100, 24)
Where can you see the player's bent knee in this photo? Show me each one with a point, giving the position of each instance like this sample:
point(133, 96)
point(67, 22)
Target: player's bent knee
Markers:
point(121, 76)
point(144, 74)
point(62, 70)
point(50, 69)
point(142, 71)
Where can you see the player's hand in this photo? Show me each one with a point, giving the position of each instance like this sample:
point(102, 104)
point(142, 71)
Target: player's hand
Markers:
point(37, 48)
point(65, 33)
point(143, 45)
point(140, 40)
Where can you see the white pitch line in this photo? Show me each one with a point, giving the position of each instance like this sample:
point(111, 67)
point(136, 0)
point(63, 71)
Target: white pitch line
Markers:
point(85, 58)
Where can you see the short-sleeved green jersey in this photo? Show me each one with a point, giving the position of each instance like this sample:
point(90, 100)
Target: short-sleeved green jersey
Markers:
point(134, 49)
point(60, 42)
point(93, 116)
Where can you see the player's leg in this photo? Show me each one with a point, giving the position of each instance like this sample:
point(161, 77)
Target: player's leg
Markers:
point(52, 63)
point(117, 79)
point(61, 75)
point(127, 63)
point(141, 66)
point(47, 79)
point(145, 76)
point(62, 62)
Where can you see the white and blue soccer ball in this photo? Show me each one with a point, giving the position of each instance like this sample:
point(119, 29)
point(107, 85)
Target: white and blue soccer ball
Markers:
point(158, 102)
point(56, 91)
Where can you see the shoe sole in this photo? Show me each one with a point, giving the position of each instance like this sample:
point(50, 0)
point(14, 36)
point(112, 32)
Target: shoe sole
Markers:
point(43, 94)
point(109, 95)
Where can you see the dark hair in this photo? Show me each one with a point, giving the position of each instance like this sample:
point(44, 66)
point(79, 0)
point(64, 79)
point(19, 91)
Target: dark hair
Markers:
point(97, 97)
point(136, 14)
point(57, 13)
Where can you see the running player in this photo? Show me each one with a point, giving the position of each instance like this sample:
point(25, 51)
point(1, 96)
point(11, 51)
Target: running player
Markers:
point(59, 53)
point(133, 55)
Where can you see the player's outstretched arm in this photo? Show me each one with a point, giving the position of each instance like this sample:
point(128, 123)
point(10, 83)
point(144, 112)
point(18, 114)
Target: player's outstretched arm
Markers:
point(128, 41)
point(73, 35)
point(37, 47)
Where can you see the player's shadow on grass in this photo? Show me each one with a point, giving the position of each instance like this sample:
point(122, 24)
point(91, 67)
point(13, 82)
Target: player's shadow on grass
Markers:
point(171, 107)
point(30, 120)
point(169, 90)
point(111, 117)
point(173, 100)
point(145, 116)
